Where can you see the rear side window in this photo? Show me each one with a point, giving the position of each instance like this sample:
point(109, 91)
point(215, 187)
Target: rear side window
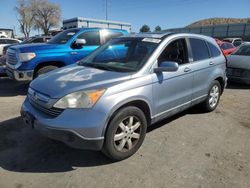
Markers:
point(237, 42)
point(9, 41)
point(110, 35)
point(92, 38)
point(199, 49)
point(37, 40)
point(2, 41)
point(215, 52)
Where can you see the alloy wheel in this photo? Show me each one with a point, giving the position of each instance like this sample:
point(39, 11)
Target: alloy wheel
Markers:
point(214, 96)
point(127, 134)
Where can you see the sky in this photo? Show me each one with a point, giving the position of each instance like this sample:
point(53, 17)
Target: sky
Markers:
point(166, 13)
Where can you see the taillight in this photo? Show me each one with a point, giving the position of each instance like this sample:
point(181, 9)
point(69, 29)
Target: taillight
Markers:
point(224, 56)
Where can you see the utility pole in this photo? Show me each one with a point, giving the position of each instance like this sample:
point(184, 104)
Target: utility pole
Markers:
point(106, 9)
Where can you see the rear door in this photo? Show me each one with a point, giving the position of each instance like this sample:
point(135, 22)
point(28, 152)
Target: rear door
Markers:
point(202, 67)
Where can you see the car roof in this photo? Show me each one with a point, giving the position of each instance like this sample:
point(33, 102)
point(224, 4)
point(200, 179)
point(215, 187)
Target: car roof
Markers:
point(161, 35)
point(245, 43)
point(158, 35)
point(232, 39)
point(9, 39)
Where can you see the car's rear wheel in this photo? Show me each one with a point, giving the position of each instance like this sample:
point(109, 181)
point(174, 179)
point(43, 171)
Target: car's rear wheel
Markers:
point(45, 69)
point(125, 133)
point(213, 97)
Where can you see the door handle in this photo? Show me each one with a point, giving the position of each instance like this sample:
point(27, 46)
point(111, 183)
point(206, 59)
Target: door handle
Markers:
point(211, 63)
point(187, 69)
point(73, 53)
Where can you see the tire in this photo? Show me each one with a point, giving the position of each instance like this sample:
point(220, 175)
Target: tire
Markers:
point(44, 70)
point(121, 140)
point(213, 97)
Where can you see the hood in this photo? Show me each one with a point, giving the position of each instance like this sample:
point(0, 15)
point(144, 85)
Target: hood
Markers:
point(238, 61)
point(63, 81)
point(35, 47)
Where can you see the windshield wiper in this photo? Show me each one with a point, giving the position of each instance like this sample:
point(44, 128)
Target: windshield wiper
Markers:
point(97, 66)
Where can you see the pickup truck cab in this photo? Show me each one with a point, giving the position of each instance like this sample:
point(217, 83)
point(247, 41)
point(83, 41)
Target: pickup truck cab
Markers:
point(26, 62)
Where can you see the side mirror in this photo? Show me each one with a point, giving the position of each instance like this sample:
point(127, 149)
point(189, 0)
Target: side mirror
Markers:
point(80, 42)
point(167, 66)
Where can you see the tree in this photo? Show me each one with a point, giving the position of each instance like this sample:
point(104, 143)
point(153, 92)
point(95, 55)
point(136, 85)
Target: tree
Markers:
point(46, 15)
point(145, 28)
point(157, 28)
point(24, 17)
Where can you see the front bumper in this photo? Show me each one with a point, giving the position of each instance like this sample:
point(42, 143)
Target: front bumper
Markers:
point(19, 75)
point(81, 132)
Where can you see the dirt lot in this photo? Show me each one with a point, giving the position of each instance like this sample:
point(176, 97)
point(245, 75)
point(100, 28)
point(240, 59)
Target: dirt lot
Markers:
point(191, 149)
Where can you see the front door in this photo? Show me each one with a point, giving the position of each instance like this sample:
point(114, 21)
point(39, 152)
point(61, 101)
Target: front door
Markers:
point(172, 91)
point(92, 42)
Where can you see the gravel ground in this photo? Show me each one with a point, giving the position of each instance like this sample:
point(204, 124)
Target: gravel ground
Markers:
point(192, 149)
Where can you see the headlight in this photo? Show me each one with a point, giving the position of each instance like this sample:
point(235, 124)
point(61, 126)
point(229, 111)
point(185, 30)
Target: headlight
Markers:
point(26, 56)
point(80, 99)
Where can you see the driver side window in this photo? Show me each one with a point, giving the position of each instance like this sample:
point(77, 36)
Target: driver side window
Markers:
point(92, 38)
point(175, 51)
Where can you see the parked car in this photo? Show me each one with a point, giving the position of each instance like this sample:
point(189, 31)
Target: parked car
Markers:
point(235, 41)
point(31, 40)
point(6, 41)
point(107, 100)
point(227, 48)
point(3, 34)
point(239, 64)
point(39, 39)
point(26, 62)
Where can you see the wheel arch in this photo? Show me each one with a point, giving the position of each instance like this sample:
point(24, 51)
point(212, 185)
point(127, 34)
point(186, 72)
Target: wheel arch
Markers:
point(47, 63)
point(222, 82)
point(139, 103)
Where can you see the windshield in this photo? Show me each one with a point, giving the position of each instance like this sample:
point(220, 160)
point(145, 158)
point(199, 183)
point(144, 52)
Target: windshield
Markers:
point(63, 37)
point(122, 54)
point(243, 50)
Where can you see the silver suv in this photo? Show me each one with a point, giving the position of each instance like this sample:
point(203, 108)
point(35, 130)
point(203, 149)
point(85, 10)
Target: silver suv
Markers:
point(107, 101)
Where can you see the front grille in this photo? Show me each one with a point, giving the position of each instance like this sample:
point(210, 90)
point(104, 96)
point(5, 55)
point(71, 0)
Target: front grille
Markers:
point(40, 102)
point(54, 112)
point(11, 57)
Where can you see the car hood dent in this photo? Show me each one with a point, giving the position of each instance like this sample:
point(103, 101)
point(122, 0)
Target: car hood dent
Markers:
point(63, 81)
point(238, 61)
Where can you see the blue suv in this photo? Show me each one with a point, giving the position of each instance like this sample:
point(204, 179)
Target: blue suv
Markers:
point(28, 61)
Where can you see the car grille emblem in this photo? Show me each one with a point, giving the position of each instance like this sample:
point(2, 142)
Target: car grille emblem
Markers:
point(35, 97)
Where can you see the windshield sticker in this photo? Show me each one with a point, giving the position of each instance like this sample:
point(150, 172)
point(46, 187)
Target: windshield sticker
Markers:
point(151, 40)
point(70, 33)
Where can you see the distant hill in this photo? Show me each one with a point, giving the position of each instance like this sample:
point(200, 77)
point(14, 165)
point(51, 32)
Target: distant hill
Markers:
point(218, 21)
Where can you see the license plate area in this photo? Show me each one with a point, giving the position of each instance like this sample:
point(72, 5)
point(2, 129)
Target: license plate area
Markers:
point(28, 118)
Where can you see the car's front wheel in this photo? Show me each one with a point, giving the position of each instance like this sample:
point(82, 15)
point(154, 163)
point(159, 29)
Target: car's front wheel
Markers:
point(125, 133)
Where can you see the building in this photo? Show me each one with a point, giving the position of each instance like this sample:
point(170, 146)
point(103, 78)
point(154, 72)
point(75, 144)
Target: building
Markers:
point(6, 33)
point(241, 30)
point(79, 22)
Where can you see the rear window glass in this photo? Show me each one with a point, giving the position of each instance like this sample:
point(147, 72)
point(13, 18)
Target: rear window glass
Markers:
point(243, 50)
point(199, 49)
point(92, 38)
point(213, 50)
